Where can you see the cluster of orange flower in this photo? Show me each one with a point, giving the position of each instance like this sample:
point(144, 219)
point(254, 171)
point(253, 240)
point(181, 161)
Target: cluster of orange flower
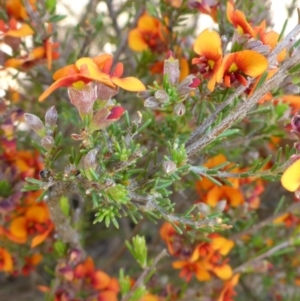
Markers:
point(18, 26)
point(203, 259)
point(23, 220)
point(79, 280)
point(241, 192)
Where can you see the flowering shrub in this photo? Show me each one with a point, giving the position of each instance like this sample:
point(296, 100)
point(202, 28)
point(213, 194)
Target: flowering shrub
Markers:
point(145, 156)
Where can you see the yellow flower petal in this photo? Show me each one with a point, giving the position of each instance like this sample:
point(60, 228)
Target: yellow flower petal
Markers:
point(290, 179)
point(209, 45)
point(129, 83)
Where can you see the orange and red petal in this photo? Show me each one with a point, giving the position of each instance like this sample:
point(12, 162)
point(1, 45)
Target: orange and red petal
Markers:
point(100, 280)
point(101, 59)
point(65, 71)
point(249, 62)
point(24, 31)
point(209, 45)
point(89, 69)
point(6, 261)
point(64, 82)
point(38, 239)
point(136, 41)
point(224, 271)
point(18, 228)
point(37, 214)
point(107, 296)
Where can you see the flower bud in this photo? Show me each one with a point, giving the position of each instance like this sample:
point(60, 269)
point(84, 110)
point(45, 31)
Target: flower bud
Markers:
point(47, 142)
point(203, 209)
point(188, 85)
point(169, 167)
point(220, 207)
point(90, 160)
point(83, 98)
point(151, 103)
point(105, 92)
point(35, 124)
point(51, 118)
point(162, 96)
point(144, 94)
point(171, 69)
point(295, 123)
point(179, 109)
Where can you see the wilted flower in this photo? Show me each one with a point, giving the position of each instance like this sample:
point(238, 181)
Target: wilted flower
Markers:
point(83, 97)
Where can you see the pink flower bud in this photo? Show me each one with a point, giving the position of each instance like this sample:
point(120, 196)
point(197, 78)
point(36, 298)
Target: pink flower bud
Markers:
point(90, 160)
point(35, 124)
point(295, 123)
point(47, 142)
point(116, 113)
point(83, 98)
point(179, 109)
point(188, 85)
point(51, 118)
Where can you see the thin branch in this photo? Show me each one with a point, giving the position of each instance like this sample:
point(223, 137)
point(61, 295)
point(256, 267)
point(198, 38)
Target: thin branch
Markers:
point(151, 205)
point(265, 222)
point(62, 224)
point(143, 276)
point(250, 263)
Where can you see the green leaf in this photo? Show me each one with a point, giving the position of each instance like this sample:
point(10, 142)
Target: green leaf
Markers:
point(50, 5)
point(56, 18)
point(261, 80)
point(64, 205)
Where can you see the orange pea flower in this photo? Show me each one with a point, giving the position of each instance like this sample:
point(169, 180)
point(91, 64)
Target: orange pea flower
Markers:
point(33, 222)
point(290, 179)
point(208, 46)
point(36, 56)
point(16, 8)
point(269, 38)
point(207, 7)
point(233, 196)
point(189, 268)
point(149, 297)
point(97, 279)
point(6, 261)
point(235, 65)
point(86, 70)
point(13, 30)
point(150, 33)
point(31, 262)
point(288, 219)
point(228, 289)
point(238, 19)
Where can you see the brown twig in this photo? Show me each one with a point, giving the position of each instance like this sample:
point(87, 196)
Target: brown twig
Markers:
point(146, 272)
